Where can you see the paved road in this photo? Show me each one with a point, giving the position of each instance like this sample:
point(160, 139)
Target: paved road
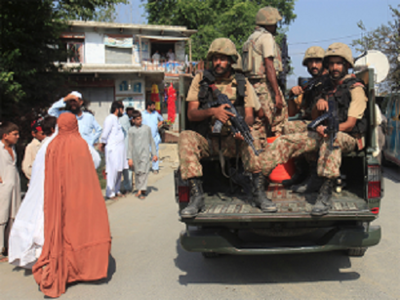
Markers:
point(148, 263)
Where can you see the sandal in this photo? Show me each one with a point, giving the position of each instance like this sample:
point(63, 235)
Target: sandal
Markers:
point(155, 172)
point(3, 258)
point(141, 196)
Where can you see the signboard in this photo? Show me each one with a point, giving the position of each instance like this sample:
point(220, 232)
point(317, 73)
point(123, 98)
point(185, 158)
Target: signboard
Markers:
point(137, 102)
point(122, 42)
point(128, 86)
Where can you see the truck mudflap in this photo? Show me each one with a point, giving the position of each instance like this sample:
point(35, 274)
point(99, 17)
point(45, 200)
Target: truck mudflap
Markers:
point(223, 241)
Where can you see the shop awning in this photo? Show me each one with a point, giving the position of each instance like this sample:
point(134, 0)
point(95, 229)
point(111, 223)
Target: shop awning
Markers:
point(163, 38)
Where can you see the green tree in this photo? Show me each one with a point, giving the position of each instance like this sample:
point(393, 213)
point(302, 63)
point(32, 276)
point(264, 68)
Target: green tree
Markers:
point(234, 19)
point(385, 38)
point(29, 46)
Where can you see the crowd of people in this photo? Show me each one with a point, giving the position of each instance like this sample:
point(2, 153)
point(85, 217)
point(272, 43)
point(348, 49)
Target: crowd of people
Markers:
point(60, 163)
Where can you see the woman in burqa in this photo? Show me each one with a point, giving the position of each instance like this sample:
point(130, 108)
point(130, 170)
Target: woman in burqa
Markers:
point(77, 238)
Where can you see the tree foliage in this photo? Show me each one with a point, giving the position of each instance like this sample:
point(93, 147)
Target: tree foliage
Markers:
point(385, 38)
point(29, 46)
point(234, 19)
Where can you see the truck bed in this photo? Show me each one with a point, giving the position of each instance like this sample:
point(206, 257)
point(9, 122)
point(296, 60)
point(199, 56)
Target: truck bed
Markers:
point(223, 206)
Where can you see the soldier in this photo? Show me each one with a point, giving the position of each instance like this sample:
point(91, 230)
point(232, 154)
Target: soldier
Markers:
point(199, 143)
point(262, 63)
point(348, 92)
point(303, 102)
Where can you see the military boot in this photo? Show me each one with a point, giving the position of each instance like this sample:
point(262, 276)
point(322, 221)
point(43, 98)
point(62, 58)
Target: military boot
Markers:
point(259, 197)
point(312, 184)
point(196, 202)
point(324, 202)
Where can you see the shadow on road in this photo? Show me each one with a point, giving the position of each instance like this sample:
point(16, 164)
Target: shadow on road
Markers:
point(392, 173)
point(112, 268)
point(261, 269)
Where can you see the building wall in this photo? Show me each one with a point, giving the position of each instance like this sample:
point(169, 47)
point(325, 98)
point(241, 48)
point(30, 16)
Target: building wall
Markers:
point(94, 48)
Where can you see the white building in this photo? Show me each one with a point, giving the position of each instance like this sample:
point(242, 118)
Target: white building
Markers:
point(114, 61)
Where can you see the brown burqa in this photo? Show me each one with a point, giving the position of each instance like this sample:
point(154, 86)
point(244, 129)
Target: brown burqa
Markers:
point(77, 238)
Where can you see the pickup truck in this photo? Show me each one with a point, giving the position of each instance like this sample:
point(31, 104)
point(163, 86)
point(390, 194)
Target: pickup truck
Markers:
point(229, 225)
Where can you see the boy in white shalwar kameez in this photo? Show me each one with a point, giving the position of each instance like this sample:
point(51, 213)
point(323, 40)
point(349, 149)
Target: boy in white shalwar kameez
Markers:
point(113, 144)
point(10, 188)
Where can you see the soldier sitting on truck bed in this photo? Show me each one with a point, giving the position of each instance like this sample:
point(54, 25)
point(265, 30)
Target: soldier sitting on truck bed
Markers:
point(348, 93)
point(201, 143)
point(303, 98)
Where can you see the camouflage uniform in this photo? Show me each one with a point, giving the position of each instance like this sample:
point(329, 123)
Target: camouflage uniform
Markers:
point(329, 161)
point(260, 45)
point(192, 146)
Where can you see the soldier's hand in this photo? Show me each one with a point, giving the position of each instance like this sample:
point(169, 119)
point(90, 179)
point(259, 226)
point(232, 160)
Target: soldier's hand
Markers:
point(222, 114)
point(102, 146)
point(278, 102)
point(321, 130)
point(238, 136)
point(296, 90)
point(322, 105)
point(130, 163)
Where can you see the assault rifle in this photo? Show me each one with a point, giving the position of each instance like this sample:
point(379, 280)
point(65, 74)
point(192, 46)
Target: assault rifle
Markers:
point(238, 125)
point(307, 84)
point(285, 64)
point(331, 116)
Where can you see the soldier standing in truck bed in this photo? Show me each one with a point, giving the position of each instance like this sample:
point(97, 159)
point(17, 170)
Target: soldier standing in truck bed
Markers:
point(199, 143)
point(348, 93)
point(262, 62)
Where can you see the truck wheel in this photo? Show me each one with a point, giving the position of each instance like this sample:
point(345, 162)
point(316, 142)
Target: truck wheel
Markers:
point(357, 251)
point(210, 254)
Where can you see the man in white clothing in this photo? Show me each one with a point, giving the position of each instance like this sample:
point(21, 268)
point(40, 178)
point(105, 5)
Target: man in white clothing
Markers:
point(113, 144)
point(125, 122)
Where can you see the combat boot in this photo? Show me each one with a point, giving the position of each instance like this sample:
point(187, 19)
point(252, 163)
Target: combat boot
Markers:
point(324, 200)
point(312, 184)
point(196, 202)
point(259, 196)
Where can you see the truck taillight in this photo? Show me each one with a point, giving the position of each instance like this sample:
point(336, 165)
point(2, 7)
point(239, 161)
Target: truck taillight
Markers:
point(374, 181)
point(183, 193)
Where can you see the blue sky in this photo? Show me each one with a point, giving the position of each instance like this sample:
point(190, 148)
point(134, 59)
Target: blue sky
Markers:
point(318, 23)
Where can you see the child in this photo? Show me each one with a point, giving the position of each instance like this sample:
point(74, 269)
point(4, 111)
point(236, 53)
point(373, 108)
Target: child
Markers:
point(33, 147)
point(140, 140)
point(49, 127)
point(10, 189)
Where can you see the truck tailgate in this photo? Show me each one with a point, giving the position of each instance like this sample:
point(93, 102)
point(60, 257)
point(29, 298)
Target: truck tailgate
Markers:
point(291, 206)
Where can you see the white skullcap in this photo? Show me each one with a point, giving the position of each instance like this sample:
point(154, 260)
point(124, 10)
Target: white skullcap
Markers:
point(77, 94)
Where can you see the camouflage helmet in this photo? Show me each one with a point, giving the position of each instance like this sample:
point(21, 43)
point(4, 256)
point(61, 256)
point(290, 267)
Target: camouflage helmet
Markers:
point(341, 50)
point(313, 52)
point(268, 16)
point(223, 46)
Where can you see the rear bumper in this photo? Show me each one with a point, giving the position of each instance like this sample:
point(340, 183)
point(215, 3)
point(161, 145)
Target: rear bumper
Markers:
point(224, 242)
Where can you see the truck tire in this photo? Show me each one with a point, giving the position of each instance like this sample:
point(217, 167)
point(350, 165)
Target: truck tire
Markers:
point(210, 254)
point(357, 251)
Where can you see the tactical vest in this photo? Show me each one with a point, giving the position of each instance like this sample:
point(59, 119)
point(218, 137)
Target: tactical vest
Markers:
point(342, 96)
point(206, 97)
point(253, 60)
point(311, 97)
